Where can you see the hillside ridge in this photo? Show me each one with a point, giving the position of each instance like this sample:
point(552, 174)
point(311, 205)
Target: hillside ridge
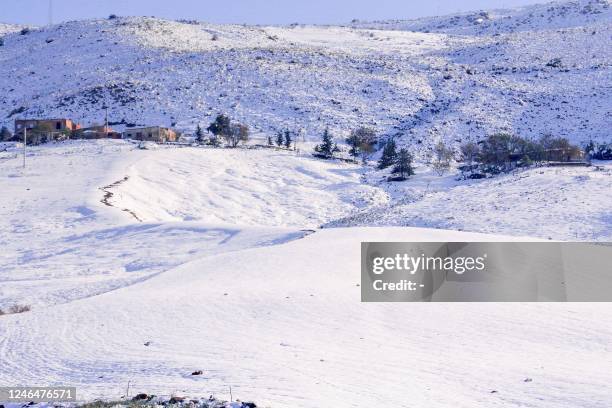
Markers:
point(416, 86)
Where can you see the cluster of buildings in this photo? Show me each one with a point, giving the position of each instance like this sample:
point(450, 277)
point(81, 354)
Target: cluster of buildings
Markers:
point(44, 130)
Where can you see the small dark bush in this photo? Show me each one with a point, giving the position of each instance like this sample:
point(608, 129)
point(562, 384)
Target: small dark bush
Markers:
point(19, 308)
point(396, 178)
point(24, 31)
point(16, 309)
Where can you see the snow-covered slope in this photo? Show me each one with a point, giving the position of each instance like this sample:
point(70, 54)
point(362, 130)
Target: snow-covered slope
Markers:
point(244, 187)
point(551, 15)
point(9, 28)
point(89, 217)
point(284, 326)
point(571, 204)
point(419, 86)
point(64, 235)
point(145, 265)
point(270, 309)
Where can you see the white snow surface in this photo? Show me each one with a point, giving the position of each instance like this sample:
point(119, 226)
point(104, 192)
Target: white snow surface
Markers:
point(60, 243)
point(284, 326)
point(244, 187)
point(555, 14)
point(264, 306)
point(559, 203)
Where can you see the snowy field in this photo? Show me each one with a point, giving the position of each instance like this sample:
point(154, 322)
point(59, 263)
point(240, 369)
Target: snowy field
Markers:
point(560, 203)
point(61, 243)
point(244, 187)
point(225, 274)
point(284, 326)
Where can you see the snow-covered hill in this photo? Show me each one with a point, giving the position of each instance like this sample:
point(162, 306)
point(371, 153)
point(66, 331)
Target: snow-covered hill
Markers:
point(273, 312)
point(552, 15)
point(572, 204)
point(64, 235)
point(261, 304)
point(9, 28)
point(88, 217)
point(543, 69)
point(145, 265)
point(284, 326)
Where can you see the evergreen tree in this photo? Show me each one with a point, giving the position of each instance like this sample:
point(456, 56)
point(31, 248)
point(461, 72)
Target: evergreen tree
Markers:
point(327, 147)
point(589, 148)
point(279, 139)
point(221, 126)
point(5, 134)
point(287, 139)
point(389, 154)
point(354, 142)
point(403, 164)
point(270, 143)
point(199, 134)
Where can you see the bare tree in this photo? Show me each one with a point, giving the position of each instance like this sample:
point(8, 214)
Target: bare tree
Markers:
point(238, 133)
point(442, 157)
point(469, 153)
point(362, 141)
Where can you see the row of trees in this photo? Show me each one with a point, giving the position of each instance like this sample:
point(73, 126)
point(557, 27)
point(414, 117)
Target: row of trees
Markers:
point(283, 139)
point(497, 153)
point(235, 133)
point(599, 151)
point(363, 141)
point(401, 161)
point(502, 152)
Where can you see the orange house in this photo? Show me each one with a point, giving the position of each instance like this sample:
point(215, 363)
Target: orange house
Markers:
point(44, 130)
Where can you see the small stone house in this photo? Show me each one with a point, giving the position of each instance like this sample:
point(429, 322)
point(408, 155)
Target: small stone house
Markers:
point(156, 134)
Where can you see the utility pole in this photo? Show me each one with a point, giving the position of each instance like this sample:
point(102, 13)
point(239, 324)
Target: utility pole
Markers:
point(50, 12)
point(106, 120)
point(25, 142)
